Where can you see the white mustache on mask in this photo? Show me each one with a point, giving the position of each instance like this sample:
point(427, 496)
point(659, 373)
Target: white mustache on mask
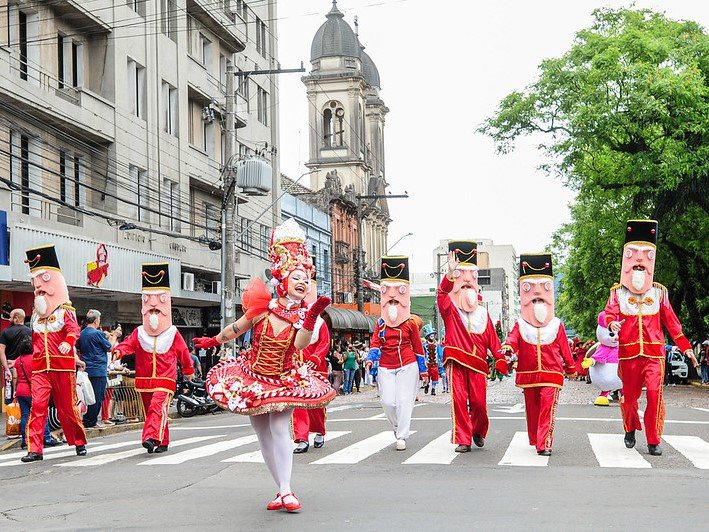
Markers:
point(40, 304)
point(638, 279)
point(540, 312)
point(393, 312)
point(154, 321)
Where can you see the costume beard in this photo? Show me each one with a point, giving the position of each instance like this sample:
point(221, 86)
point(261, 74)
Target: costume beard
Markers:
point(638, 279)
point(154, 321)
point(40, 305)
point(540, 312)
point(472, 296)
point(393, 312)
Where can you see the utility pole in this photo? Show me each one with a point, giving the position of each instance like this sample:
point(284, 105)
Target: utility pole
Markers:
point(228, 250)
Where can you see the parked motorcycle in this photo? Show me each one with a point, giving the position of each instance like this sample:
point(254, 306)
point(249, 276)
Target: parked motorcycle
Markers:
point(192, 398)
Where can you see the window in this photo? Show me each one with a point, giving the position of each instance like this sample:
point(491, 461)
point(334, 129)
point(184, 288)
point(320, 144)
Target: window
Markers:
point(262, 106)
point(325, 265)
point(168, 19)
point(243, 89)
point(139, 193)
point(136, 89)
point(205, 47)
point(70, 62)
point(211, 220)
point(171, 205)
point(265, 239)
point(28, 39)
point(170, 109)
point(241, 9)
point(138, 6)
point(23, 46)
point(333, 125)
point(77, 64)
point(261, 46)
point(63, 185)
point(79, 196)
point(25, 171)
point(60, 61)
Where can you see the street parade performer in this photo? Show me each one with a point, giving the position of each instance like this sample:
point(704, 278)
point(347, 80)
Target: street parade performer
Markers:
point(158, 347)
point(637, 309)
point(470, 334)
point(268, 381)
point(396, 344)
point(54, 361)
point(431, 348)
point(307, 420)
point(602, 362)
point(539, 341)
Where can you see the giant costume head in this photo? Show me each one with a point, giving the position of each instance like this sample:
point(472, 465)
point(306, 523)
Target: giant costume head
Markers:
point(288, 254)
point(465, 285)
point(48, 282)
point(536, 289)
point(395, 289)
point(157, 302)
point(638, 266)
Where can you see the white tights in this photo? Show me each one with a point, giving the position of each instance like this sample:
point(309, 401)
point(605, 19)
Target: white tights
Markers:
point(274, 437)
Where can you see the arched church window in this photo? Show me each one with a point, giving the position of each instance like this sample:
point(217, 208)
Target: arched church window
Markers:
point(333, 125)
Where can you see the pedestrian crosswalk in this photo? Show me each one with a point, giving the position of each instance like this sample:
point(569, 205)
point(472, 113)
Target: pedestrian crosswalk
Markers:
point(346, 447)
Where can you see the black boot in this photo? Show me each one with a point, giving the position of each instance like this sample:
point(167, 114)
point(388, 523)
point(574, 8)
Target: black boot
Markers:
point(433, 391)
point(544, 452)
point(654, 450)
point(32, 457)
point(629, 439)
point(462, 448)
point(150, 445)
point(81, 450)
point(478, 440)
point(160, 449)
point(425, 389)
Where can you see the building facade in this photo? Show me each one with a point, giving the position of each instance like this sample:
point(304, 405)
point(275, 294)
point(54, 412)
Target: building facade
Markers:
point(113, 142)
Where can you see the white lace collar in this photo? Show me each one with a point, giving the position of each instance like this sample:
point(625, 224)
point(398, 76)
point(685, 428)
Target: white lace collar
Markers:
point(161, 343)
point(545, 335)
point(475, 321)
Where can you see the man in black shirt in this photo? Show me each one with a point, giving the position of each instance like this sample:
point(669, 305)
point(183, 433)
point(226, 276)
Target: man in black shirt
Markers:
point(11, 337)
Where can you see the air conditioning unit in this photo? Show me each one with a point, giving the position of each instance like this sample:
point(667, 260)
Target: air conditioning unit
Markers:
point(188, 281)
point(348, 297)
point(216, 287)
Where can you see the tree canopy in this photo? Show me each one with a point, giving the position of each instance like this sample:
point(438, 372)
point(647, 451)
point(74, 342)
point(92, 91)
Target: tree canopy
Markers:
point(623, 118)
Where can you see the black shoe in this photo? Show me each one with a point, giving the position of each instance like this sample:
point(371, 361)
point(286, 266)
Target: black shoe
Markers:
point(629, 439)
point(433, 391)
point(544, 452)
point(478, 440)
point(150, 445)
point(303, 447)
point(32, 457)
point(81, 450)
point(654, 450)
point(160, 449)
point(462, 448)
point(319, 441)
point(425, 389)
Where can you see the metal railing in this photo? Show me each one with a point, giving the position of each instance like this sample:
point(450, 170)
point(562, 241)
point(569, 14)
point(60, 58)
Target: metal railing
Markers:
point(124, 404)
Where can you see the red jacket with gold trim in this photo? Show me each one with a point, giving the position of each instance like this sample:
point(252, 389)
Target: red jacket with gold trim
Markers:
point(316, 352)
point(641, 334)
point(48, 333)
point(543, 354)
point(469, 335)
point(156, 358)
point(399, 345)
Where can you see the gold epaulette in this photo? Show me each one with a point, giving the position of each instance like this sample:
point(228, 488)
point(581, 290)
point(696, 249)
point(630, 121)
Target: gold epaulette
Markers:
point(616, 286)
point(67, 306)
point(660, 286)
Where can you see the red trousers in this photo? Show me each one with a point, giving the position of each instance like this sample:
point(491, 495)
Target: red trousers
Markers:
point(540, 408)
point(635, 373)
point(433, 373)
point(306, 420)
point(468, 390)
point(61, 385)
point(156, 406)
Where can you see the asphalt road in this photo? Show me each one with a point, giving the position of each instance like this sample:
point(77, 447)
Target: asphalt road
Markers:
point(211, 477)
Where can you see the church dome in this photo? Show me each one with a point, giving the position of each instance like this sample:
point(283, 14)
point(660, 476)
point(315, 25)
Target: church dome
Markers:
point(335, 38)
point(369, 70)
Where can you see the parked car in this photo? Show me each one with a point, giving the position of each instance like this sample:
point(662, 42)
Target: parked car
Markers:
point(679, 369)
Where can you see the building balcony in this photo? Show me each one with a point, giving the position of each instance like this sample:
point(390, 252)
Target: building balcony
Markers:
point(221, 20)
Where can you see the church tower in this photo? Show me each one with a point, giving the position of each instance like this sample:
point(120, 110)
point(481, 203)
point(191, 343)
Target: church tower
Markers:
point(347, 118)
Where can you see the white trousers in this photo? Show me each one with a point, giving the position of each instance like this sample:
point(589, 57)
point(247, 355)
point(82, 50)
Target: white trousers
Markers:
point(397, 391)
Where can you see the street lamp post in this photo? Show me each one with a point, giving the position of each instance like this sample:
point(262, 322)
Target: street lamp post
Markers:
point(436, 314)
point(395, 243)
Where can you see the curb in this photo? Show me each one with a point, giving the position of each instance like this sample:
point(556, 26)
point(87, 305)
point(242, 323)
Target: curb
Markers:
point(698, 384)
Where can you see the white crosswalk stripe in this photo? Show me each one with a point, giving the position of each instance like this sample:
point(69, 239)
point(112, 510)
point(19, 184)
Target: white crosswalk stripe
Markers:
point(695, 449)
point(439, 451)
point(520, 453)
point(357, 452)
point(201, 452)
point(71, 451)
point(610, 451)
point(48, 451)
point(256, 457)
point(108, 458)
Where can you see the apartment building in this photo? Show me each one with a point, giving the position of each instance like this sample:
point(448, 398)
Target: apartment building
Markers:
point(114, 142)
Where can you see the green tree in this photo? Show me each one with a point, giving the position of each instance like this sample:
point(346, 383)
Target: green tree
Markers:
point(623, 117)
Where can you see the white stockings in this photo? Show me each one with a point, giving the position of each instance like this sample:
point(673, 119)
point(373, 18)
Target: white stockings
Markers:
point(274, 436)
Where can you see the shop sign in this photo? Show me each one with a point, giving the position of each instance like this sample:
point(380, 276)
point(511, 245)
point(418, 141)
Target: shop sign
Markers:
point(97, 270)
point(186, 317)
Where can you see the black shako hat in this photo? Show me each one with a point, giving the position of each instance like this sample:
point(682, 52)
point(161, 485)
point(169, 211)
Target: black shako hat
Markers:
point(535, 265)
point(395, 269)
point(466, 251)
point(156, 276)
point(641, 232)
point(42, 258)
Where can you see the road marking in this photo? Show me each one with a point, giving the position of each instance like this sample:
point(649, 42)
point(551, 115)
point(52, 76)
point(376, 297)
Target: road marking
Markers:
point(509, 418)
point(520, 453)
point(256, 457)
point(438, 451)
point(344, 407)
point(610, 451)
point(47, 451)
point(215, 427)
point(71, 451)
point(701, 409)
point(693, 448)
point(360, 450)
point(201, 452)
point(516, 409)
point(108, 458)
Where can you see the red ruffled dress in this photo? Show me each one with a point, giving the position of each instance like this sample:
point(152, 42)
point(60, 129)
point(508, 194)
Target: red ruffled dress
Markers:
point(269, 377)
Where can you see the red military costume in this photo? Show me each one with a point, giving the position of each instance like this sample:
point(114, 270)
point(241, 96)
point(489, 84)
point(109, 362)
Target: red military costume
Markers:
point(54, 333)
point(158, 347)
point(539, 340)
point(470, 334)
point(637, 310)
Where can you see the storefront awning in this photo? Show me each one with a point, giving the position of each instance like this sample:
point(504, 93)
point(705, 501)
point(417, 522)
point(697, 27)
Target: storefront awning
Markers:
point(344, 319)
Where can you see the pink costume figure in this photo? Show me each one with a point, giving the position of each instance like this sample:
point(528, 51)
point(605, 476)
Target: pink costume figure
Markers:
point(158, 347)
point(602, 362)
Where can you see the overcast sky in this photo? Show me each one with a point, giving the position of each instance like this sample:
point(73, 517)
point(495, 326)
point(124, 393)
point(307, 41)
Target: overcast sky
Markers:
point(444, 66)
